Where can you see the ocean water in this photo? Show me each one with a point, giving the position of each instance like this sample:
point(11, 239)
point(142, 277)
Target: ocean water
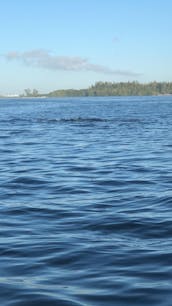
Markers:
point(86, 201)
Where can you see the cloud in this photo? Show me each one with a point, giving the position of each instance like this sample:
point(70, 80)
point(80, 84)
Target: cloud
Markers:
point(115, 39)
point(44, 59)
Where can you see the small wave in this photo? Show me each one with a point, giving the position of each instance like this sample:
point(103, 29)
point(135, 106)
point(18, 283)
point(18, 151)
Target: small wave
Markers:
point(72, 120)
point(80, 119)
point(90, 120)
point(132, 227)
point(120, 121)
point(25, 181)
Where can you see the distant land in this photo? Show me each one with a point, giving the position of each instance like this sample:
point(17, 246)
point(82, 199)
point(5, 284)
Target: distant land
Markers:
point(108, 89)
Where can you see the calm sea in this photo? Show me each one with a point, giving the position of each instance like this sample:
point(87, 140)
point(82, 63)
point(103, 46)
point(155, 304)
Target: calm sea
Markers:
point(86, 201)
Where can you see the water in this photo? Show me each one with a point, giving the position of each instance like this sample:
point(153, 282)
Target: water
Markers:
point(86, 201)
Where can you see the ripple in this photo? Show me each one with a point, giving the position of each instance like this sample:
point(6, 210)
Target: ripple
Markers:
point(86, 200)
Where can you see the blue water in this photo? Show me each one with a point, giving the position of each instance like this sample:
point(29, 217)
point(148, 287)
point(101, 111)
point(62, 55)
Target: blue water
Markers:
point(86, 201)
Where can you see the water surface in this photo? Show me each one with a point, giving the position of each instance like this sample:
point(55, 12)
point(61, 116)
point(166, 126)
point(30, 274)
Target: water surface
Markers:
point(86, 201)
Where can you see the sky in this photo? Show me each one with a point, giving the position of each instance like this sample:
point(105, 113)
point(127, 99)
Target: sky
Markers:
point(59, 44)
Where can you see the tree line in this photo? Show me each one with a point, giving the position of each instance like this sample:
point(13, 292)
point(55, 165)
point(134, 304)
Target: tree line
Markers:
point(118, 89)
point(110, 89)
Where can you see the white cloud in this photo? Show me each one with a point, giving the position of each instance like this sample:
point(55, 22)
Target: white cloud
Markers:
point(44, 59)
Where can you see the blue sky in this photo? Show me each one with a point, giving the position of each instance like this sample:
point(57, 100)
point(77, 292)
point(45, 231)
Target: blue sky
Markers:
point(53, 44)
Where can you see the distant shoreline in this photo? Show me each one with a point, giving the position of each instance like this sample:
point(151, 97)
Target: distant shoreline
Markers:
point(58, 97)
point(104, 89)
